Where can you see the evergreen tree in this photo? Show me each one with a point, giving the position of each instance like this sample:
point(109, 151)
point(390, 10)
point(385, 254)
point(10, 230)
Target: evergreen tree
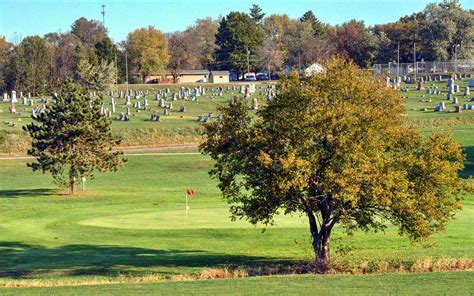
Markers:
point(106, 50)
point(256, 13)
point(238, 38)
point(318, 27)
point(71, 137)
point(95, 77)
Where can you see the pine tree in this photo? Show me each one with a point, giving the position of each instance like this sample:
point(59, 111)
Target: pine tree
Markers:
point(72, 138)
point(318, 27)
point(256, 13)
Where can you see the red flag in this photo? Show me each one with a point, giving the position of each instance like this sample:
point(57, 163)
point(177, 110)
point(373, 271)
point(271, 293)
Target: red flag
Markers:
point(190, 192)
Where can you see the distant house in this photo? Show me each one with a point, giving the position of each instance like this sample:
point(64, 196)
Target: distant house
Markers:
point(193, 76)
point(190, 76)
point(219, 76)
point(314, 69)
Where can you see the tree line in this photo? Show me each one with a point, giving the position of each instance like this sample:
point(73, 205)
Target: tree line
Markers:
point(239, 41)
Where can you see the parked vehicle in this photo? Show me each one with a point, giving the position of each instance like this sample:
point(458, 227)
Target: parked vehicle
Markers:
point(250, 77)
point(262, 76)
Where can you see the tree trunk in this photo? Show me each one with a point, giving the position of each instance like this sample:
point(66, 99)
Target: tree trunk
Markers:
point(72, 181)
point(320, 244)
point(323, 261)
point(72, 185)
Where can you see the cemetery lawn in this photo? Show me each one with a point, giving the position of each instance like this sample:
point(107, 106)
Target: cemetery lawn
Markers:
point(183, 128)
point(453, 283)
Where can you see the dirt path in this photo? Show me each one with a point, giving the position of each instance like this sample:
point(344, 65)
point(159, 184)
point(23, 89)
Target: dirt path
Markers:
point(157, 148)
point(133, 151)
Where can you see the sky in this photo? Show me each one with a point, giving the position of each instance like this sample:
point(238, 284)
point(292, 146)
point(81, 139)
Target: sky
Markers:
point(21, 18)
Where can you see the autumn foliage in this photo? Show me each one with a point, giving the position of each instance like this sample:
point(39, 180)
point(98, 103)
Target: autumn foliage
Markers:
point(336, 148)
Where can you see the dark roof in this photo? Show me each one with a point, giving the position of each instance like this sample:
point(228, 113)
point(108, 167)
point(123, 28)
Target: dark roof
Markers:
point(220, 72)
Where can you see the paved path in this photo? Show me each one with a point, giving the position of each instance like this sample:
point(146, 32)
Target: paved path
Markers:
point(133, 151)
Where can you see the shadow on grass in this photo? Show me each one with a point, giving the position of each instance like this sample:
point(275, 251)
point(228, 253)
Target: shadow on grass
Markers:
point(468, 163)
point(18, 260)
point(15, 193)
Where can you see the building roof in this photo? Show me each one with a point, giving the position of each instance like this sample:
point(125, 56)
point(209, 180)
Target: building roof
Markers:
point(220, 72)
point(194, 72)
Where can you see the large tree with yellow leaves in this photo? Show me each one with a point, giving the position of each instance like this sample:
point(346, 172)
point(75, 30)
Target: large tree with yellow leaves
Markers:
point(336, 148)
point(148, 51)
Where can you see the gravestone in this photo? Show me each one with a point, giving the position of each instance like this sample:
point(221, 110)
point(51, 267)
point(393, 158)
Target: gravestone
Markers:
point(254, 104)
point(155, 117)
point(112, 104)
point(13, 97)
point(466, 91)
point(421, 85)
point(440, 107)
point(12, 107)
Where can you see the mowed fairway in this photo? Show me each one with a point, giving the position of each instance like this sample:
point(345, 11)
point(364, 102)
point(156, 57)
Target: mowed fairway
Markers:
point(453, 283)
point(133, 223)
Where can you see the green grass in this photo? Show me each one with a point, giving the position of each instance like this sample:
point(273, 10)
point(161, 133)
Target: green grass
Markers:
point(460, 283)
point(133, 222)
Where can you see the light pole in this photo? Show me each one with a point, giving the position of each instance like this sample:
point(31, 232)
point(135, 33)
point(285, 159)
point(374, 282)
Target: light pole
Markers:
point(248, 60)
point(126, 69)
point(456, 56)
point(414, 58)
point(398, 61)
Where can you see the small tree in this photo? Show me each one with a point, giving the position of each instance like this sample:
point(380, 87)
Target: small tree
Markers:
point(72, 135)
point(336, 148)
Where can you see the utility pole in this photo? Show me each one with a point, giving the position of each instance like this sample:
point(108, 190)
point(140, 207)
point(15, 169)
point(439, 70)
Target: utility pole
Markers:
point(248, 60)
point(126, 69)
point(103, 15)
point(414, 58)
point(398, 60)
point(456, 57)
point(116, 74)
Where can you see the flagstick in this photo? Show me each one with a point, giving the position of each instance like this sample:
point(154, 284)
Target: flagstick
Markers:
point(186, 206)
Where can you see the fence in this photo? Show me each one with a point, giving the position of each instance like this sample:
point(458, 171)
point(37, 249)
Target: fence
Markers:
point(406, 69)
